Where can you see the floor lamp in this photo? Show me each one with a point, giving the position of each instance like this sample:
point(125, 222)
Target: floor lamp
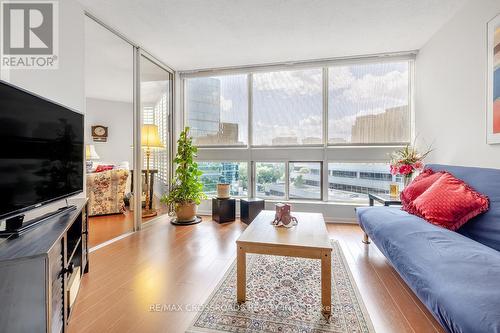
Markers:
point(150, 139)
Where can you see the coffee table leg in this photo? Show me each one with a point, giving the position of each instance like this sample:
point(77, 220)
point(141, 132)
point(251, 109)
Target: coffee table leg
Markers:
point(326, 283)
point(241, 272)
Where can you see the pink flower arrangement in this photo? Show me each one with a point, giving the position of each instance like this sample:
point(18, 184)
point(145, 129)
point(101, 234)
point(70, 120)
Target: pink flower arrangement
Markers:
point(406, 169)
point(406, 161)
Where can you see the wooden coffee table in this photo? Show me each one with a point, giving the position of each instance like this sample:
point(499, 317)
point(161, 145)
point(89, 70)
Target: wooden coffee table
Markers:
point(309, 239)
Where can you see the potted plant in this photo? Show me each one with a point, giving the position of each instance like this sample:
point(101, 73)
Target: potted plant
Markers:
point(186, 192)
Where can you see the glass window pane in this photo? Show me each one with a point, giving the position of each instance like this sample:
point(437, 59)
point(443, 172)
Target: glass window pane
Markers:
point(351, 182)
point(369, 103)
point(217, 110)
point(155, 84)
point(270, 179)
point(233, 173)
point(287, 108)
point(305, 180)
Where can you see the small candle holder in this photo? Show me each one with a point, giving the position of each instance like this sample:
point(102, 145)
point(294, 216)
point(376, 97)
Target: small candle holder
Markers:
point(394, 190)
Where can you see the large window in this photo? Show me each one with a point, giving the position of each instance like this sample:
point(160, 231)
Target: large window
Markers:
point(287, 108)
point(368, 103)
point(289, 123)
point(217, 110)
point(233, 173)
point(305, 180)
point(351, 182)
point(270, 180)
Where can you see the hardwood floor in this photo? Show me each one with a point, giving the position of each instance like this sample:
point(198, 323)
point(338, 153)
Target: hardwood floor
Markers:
point(163, 264)
point(106, 227)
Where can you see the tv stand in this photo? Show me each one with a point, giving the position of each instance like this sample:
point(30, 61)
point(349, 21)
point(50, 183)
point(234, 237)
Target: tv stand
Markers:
point(16, 225)
point(41, 270)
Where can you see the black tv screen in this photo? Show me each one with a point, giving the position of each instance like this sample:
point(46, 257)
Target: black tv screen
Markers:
point(41, 151)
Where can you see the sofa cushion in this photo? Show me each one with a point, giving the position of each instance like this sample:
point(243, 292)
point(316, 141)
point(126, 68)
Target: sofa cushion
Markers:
point(418, 186)
point(484, 228)
point(454, 276)
point(450, 203)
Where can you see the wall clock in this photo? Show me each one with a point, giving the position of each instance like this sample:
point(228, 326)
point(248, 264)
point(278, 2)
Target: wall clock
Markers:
point(99, 133)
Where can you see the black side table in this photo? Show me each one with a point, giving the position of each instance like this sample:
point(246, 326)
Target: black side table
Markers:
point(384, 199)
point(250, 208)
point(223, 210)
point(152, 174)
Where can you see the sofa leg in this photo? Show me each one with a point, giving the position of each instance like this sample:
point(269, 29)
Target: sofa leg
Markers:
point(366, 239)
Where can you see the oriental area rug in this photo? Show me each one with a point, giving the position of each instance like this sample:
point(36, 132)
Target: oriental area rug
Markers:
point(284, 295)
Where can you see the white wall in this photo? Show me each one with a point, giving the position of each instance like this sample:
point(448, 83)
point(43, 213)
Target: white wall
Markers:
point(118, 117)
point(64, 85)
point(451, 89)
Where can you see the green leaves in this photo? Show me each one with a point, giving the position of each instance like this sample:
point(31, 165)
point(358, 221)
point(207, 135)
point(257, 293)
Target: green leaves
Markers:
point(187, 186)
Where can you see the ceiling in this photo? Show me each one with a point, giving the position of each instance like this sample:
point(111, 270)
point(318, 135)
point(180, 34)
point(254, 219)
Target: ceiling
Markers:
point(194, 34)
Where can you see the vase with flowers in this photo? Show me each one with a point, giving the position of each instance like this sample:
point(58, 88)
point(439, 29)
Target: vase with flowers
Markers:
point(407, 161)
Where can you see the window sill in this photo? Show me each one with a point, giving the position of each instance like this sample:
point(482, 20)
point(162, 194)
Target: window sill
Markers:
point(302, 202)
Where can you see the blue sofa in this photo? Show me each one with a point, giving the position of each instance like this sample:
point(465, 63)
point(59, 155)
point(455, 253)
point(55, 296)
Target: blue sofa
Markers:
point(455, 274)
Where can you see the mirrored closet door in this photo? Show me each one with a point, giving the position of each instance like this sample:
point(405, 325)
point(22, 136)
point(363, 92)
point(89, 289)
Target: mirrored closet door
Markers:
point(109, 131)
point(156, 90)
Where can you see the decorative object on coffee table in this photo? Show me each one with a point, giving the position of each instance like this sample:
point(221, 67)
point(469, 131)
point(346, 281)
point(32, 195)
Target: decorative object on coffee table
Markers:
point(407, 161)
point(223, 210)
point(291, 284)
point(187, 189)
point(283, 216)
point(250, 208)
point(223, 191)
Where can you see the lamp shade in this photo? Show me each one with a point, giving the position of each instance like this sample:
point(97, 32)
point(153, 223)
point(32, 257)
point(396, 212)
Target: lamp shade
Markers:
point(90, 153)
point(150, 138)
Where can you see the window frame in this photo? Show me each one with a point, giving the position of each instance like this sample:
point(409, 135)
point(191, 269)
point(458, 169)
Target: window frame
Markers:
point(325, 152)
point(325, 65)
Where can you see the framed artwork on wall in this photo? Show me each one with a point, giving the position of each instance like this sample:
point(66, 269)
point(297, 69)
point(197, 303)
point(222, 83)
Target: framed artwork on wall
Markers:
point(493, 111)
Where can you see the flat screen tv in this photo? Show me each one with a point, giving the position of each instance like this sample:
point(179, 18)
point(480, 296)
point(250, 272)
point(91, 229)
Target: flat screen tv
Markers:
point(41, 151)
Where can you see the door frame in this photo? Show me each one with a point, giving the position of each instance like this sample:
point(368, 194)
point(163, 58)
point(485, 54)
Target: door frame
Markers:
point(138, 160)
point(139, 52)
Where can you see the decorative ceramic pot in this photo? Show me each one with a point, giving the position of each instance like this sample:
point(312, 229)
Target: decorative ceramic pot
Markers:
point(186, 212)
point(223, 191)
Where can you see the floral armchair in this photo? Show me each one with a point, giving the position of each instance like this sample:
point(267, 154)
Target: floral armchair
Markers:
point(105, 191)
